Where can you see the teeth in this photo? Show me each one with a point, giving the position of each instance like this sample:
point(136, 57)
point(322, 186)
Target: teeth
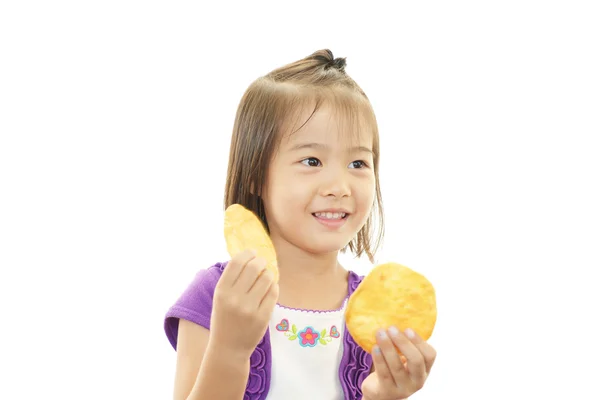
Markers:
point(329, 215)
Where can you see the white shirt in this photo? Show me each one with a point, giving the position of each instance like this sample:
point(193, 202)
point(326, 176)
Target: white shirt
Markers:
point(306, 351)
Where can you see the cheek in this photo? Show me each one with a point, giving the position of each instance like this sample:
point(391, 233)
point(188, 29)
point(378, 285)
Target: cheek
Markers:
point(367, 197)
point(285, 196)
point(367, 190)
point(283, 189)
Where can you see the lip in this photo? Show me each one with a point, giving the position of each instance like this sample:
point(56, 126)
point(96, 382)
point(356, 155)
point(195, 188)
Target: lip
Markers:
point(331, 223)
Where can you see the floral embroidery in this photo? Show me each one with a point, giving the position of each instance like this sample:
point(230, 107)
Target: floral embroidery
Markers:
point(309, 336)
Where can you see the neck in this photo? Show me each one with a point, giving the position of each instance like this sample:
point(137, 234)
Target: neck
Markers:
point(308, 280)
point(297, 264)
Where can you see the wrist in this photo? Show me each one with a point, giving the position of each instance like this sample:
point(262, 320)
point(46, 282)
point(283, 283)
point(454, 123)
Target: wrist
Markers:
point(227, 353)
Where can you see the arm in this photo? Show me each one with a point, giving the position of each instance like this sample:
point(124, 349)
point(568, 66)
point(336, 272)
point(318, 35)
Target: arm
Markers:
point(205, 371)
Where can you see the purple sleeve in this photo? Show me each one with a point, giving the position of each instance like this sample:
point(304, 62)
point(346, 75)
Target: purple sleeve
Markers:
point(195, 304)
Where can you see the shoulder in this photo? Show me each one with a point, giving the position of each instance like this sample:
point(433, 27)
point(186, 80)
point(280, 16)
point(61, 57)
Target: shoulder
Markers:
point(195, 302)
point(353, 281)
point(202, 285)
point(206, 279)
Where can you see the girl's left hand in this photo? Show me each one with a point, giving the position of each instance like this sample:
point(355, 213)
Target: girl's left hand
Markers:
point(392, 379)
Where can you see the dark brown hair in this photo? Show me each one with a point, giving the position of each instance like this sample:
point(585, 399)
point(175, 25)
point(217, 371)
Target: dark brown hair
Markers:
point(269, 106)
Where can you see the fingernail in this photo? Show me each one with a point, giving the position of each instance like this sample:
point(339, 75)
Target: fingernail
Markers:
point(376, 350)
point(409, 333)
point(394, 331)
point(382, 334)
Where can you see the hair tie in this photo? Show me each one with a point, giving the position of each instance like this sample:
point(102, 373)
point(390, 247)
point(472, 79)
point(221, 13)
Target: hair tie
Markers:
point(338, 63)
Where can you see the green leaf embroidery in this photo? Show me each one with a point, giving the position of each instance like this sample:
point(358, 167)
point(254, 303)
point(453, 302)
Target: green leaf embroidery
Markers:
point(293, 337)
point(322, 341)
point(294, 329)
point(324, 333)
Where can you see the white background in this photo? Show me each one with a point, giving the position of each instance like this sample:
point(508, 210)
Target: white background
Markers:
point(115, 121)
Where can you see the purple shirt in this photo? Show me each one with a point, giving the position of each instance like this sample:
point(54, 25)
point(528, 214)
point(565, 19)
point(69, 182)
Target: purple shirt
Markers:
point(195, 305)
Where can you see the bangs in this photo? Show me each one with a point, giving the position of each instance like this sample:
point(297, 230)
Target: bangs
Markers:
point(352, 111)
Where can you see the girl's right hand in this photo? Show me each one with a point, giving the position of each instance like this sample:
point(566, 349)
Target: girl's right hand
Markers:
point(244, 299)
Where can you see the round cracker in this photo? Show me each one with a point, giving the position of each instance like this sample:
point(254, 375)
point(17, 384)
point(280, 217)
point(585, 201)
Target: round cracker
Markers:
point(391, 295)
point(243, 231)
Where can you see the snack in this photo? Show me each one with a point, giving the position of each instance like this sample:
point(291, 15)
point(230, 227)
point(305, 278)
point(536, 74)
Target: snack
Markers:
point(244, 230)
point(391, 295)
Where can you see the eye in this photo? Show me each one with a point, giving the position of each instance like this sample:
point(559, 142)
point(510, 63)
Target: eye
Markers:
point(358, 164)
point(311, 162)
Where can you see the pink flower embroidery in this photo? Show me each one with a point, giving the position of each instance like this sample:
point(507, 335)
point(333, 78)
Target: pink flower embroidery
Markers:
point(309, 337)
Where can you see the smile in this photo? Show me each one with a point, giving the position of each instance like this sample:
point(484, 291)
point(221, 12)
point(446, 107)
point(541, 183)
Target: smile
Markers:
point(331, 220)
point(329, 215)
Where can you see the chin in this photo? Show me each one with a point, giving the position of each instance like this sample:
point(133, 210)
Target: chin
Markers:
point(324, 246)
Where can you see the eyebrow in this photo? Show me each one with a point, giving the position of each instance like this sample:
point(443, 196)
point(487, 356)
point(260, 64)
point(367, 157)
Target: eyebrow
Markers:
point(302, 146)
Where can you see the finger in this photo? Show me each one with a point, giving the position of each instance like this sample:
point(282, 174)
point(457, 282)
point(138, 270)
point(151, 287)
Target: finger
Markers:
point(270, 299)
point(234, 267)
point(381, 367)
point(392, 359)
point(414, 359)
point(261, 287)
point(427, 351)
point(250, 274)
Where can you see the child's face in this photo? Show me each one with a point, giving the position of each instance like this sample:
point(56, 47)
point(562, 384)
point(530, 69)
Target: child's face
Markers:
point(317, 169)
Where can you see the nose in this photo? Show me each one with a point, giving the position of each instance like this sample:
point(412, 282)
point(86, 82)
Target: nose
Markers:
point(336, 183)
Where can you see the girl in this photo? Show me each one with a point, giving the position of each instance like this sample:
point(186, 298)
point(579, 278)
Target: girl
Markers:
point(304, 157)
